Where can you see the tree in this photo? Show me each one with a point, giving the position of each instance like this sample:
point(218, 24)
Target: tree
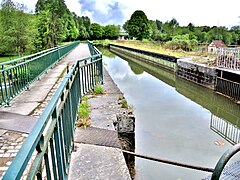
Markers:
point(154, 32)
point(97, 31)
point(159, 25)
point(16, 28)
point(56, 23)
point(138, 25)
point(191, 27)
point(111, 31)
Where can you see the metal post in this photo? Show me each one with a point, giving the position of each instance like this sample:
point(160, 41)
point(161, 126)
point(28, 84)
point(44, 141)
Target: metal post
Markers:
point(5, 84)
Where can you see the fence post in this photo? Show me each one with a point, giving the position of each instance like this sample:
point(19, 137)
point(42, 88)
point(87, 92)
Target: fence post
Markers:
point(5, 84)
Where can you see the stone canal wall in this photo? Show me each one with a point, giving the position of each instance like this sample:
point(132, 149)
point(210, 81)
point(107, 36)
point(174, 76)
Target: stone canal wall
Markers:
point(197, 73)
point(164, 61)
point(220, 80)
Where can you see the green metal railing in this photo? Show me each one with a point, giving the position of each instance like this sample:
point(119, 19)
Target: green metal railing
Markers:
point(18, 74)
point(224, 160)
point(52, 136)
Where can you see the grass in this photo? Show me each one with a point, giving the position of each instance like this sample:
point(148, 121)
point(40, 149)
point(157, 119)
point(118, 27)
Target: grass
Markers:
point(7, 58)
point(157, 47)
point(103, 43)
point(83, 114)
point(98, 90)
point(124, 104)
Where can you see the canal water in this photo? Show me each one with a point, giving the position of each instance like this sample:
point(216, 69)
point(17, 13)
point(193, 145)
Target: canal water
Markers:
point(175, 119)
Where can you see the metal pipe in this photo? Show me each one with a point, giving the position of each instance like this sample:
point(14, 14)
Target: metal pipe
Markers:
point(206, 169)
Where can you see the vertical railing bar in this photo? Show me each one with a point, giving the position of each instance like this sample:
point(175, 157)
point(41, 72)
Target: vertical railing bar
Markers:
point(53, 158)
point(59, 151)
point(47, 165)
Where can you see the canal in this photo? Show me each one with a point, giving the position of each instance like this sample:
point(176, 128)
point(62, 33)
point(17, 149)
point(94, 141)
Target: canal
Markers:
point(175, 119)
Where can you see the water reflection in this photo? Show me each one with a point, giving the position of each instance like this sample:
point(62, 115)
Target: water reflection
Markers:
point(227, 130)
point(172, 119)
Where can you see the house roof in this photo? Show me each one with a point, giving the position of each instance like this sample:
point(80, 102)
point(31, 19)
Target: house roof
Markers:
point(217, 43)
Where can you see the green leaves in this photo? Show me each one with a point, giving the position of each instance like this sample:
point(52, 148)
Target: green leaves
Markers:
point(15, 28)
point(138, 25)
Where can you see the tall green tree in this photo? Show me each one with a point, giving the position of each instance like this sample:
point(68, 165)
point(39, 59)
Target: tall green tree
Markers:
point(138, 25)
point(16, 28)
point(97, 31)
point(111, 31)
point(55, 24)
point(154, 32)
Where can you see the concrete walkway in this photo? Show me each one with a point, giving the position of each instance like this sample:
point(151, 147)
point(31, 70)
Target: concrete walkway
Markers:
point(17, 120)
point(97, 150)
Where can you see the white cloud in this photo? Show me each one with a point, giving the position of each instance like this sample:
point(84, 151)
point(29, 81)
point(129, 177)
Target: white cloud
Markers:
point(204, 12)
point(74, 6)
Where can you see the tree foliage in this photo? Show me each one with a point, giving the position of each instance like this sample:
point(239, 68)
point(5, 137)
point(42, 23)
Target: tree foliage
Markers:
point(176, 36)
point(111, 31)
point(16, 28)
point(138, 26)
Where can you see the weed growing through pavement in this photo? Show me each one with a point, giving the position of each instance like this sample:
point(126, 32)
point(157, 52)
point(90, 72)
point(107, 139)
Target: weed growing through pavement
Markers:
point(98, 90)
point(83, 114)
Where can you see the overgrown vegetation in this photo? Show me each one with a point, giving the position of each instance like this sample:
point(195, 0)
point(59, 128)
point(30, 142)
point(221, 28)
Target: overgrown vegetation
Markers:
point(98, 90)
point(154, 46)
point(83, 114)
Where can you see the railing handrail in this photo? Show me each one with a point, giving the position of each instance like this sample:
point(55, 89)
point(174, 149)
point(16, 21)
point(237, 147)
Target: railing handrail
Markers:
point(27, 57)
point(228, 58)
point(34, 55)
point(224, 160)
point(25, 70)
point(36, 139)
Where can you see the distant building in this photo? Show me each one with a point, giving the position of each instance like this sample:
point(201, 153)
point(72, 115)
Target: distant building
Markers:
point(123, 36)
point(214, 45)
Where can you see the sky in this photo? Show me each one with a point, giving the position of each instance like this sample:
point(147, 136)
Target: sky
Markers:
point(201, 12)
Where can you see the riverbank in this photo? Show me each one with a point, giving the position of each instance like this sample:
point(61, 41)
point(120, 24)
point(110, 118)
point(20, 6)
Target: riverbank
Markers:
point(222, 81)
point(97, 153)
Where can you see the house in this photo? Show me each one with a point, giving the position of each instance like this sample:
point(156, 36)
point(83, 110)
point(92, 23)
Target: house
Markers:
point(214, 45)
point(123, 36)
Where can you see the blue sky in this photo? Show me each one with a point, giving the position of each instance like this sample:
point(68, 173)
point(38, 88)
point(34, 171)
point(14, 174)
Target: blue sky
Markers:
point(204, 12)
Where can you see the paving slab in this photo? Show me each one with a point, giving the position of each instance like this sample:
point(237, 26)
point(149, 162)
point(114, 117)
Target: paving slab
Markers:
point(98, 162)
point(22, 108)
point(16, 122)
point(97, 136)
point(105, 107)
